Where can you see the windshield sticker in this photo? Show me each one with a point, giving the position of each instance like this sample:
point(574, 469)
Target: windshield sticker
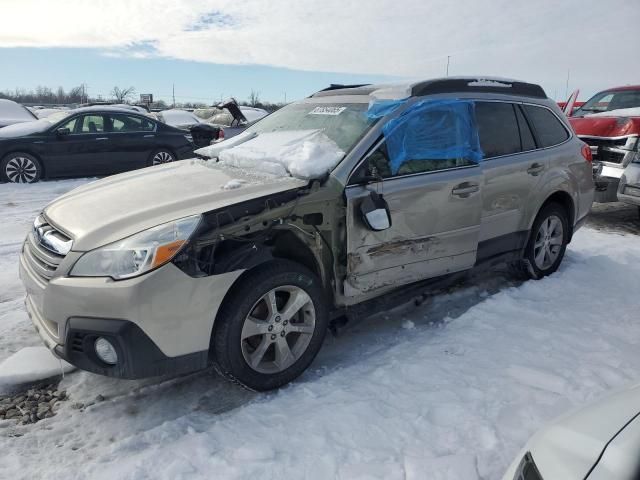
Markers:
point(327, 110)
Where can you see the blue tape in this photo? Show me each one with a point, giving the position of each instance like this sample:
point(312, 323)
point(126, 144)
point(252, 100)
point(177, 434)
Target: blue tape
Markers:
point(433, 130)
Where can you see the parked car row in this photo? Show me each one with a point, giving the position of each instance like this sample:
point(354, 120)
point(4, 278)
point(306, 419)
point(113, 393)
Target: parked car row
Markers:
point(105, 139)
point(86, 142)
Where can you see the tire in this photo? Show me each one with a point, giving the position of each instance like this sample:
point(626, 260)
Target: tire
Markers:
point(20, 167)
point(250, 351)
point(160, 156)
point(547, 242)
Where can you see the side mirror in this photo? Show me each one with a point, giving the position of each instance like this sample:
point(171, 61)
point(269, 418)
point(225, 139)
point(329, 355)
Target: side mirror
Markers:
point(375, 212)
point(63, 131)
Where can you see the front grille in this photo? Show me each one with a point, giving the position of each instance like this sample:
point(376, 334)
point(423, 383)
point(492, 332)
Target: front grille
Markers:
point(43, 261)
point(610, 150)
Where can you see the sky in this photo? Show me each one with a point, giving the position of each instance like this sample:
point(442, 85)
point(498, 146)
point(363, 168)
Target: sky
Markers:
point(211, 49)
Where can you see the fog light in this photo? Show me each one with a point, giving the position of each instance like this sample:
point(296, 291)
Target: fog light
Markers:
point(105, 351)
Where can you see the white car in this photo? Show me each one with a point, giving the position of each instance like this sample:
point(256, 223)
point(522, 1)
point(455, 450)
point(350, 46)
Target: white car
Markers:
point(598, 442)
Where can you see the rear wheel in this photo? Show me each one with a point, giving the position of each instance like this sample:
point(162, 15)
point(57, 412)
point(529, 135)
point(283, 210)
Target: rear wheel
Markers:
point(271, 327)
point(20, 167)
point(548, 241)
point(161, 156)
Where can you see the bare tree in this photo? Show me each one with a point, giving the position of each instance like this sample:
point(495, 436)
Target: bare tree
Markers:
point(123, 94)
point(254, 98)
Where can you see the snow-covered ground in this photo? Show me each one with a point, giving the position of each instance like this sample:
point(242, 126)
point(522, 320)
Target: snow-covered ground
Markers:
point(450, 389)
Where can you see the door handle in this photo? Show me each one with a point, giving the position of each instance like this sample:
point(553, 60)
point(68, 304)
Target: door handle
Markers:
point(535, 169)
point(149, 136)
point(102, 138)
point(465, 189)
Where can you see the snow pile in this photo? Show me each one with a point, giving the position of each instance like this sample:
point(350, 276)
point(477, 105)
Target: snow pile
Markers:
point(302, 153)
point(31, 364)
point(620, 112)
point(213, 151)
point(233, 184)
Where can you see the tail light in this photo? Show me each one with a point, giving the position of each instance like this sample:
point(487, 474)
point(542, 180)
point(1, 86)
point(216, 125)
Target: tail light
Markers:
point(586, 153)
point(221, 134)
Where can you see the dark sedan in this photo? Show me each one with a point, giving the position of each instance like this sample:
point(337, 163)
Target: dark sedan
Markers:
point(86, 142)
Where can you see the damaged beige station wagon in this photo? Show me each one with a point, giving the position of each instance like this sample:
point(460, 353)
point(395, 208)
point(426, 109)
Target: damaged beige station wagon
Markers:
point(326, 208)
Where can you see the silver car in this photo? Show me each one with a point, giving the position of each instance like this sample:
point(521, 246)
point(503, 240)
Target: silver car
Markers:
point(385, 188)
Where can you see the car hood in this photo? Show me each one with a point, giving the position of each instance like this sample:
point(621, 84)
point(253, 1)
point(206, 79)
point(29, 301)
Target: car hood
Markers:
point(598, 126)
point(572, 444)
point(116, 207)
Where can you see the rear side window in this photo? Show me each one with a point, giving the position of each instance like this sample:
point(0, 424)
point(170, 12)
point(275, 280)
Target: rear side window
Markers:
point(92, 124)
point(549, 130)
point(129, 123)
point(497, 128)
point(526, 137)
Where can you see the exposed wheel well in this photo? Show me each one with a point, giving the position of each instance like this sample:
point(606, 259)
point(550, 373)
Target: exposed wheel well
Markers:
point(564, 199)
point(288, 246)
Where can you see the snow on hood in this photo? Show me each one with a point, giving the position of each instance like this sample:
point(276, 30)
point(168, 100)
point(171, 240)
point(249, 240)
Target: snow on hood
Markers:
point(620, 112)
point(24, 128)
point(303, 154)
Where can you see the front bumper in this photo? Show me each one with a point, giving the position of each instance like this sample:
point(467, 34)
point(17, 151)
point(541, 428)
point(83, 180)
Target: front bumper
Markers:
point(138, 355)
point(161, 321)
point(607, 181)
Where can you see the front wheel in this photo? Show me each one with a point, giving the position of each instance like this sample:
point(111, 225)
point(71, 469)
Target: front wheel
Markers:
point(20, 167)
point(548, 241)
point(271, 327)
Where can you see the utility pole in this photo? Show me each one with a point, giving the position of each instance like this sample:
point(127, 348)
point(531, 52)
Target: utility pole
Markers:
point(174, 95)
point(448, 58)
point(566, 90)
point(285, 98)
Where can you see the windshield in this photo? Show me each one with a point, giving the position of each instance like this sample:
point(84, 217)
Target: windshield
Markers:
point(608, 101)
point(344, 123)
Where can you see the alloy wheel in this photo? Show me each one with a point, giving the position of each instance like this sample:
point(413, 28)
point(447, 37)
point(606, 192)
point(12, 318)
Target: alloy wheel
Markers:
point(21, 170)
point(548, 243)
point(162, 157)
point(278, 329)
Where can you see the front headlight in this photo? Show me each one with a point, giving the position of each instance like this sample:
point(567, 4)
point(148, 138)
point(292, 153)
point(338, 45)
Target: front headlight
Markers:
point(139, 253)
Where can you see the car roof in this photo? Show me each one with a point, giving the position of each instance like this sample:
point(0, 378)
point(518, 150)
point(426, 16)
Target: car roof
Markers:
point(620, 89)
point(103, 109)
point(397, 91)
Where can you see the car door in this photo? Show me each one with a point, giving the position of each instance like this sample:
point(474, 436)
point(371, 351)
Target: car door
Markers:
point(132, 139)
point(512, 169)
point(79, 152)
point(435, 210)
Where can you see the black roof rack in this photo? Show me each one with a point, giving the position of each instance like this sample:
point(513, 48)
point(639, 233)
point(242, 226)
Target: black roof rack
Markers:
point(489, 85)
